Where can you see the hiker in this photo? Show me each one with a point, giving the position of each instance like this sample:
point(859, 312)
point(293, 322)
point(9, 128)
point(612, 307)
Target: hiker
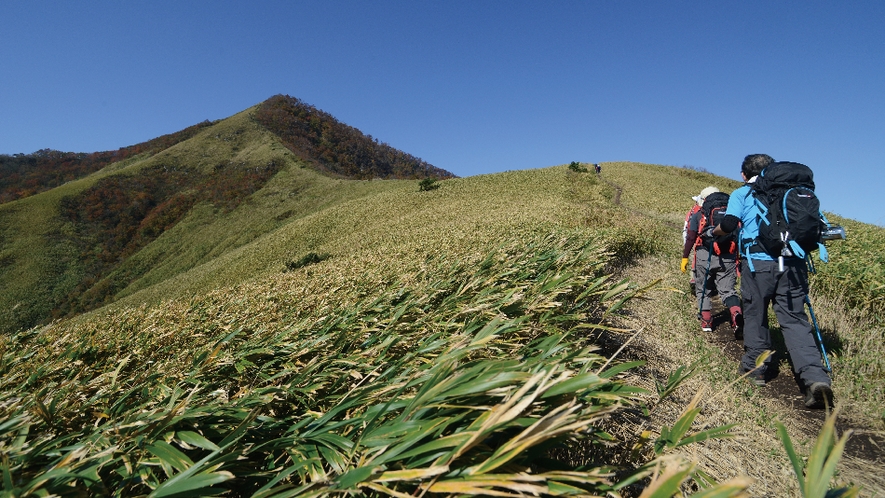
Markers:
point(715, 261)
point(597, 167)
point(764, 281)
point(695, 207)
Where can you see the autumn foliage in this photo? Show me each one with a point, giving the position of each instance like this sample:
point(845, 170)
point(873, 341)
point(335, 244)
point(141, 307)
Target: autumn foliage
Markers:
point(335, 148)
point(23, 175)
point(121, 214)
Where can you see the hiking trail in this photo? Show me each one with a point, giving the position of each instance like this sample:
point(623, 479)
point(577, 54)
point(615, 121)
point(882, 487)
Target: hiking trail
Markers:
point(865, 449)
point(865, 443)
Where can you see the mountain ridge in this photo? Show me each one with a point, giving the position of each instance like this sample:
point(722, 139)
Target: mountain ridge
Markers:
point(78, 245)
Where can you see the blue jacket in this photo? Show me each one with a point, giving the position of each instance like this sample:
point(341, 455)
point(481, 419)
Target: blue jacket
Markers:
point(742, 205)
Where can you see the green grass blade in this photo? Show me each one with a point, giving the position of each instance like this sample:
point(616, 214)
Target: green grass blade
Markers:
point(795, 460)
point(168, 454)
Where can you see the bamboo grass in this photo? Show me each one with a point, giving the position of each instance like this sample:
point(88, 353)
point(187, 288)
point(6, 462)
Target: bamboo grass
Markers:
point(393, 395)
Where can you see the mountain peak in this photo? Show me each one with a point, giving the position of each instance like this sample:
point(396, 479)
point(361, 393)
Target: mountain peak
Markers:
point(335, 148)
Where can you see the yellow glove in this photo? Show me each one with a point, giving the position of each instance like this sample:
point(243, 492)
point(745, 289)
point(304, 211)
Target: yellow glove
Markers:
point(684, 264)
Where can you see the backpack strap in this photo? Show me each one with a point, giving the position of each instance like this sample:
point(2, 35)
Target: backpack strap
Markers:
point(822, 249)
point(761, 211)
point(749, 258)
point(822, 252)
point(761, 217)
point(795, 249)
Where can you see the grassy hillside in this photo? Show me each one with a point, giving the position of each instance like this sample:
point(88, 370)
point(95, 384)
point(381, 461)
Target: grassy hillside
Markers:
point(23, 175)
point(143, 220)
point(406, 285)
point(457, 340)
point(59, 247)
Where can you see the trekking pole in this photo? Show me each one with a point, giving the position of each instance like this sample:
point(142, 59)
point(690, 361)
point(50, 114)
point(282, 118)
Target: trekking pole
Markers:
point(706, 274)
point(820, 339)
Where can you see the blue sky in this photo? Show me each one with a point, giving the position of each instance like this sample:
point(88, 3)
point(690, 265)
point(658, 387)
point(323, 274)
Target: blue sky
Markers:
point(473, 87)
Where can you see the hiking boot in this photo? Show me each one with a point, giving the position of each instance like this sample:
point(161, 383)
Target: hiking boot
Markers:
point(706, 321)
point(756, 377)
point(819, 395)
point(737, 323)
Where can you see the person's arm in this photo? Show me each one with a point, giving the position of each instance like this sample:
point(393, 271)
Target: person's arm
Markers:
point(691, 232)
point(728, 225)
point(733, 212)
point(691, 235)
point(690, 238)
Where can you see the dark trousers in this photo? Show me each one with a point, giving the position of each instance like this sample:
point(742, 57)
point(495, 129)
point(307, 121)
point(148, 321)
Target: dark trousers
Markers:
point(786, 292)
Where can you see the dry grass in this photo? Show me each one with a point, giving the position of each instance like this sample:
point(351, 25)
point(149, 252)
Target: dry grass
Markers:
point(670, 337)
point(417, 286)
point(319, 356)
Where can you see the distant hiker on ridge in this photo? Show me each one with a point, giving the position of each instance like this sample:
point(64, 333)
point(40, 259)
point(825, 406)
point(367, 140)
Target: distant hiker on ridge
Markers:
point(715, 260)
point(597, 167)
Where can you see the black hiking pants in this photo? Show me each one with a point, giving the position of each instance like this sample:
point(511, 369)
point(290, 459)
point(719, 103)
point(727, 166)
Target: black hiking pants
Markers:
point(786, 292)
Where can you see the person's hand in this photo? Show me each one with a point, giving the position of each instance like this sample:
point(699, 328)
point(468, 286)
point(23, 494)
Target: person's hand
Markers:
point(684, 264)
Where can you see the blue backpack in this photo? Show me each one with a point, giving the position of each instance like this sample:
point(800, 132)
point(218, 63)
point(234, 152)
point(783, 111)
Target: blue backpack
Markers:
point(790, 220)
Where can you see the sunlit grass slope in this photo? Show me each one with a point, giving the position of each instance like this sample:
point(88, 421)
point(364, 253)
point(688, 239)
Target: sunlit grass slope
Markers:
point(40, 267)
point(35, 267)
point(446, 342)
point(663, 192)
point(396, 225)
point(442, 325)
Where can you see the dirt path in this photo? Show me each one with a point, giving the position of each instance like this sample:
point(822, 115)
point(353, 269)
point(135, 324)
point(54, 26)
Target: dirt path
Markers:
point(865, 443)
point(617, 188)
point(670, 336)
point(671, 333)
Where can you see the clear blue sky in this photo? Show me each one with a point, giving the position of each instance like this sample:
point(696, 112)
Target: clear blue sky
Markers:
point(474, 86)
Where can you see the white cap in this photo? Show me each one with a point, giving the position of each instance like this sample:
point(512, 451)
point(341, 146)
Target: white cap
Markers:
point(703, 195)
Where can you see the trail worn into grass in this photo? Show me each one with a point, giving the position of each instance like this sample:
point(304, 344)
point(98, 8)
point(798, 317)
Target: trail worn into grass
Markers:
point(671, 337)
point(616, 200)
point(865, 443)
point(618, 189)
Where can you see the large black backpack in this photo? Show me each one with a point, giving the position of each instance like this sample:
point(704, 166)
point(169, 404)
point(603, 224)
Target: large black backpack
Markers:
point(790, 219)
point(712, 214)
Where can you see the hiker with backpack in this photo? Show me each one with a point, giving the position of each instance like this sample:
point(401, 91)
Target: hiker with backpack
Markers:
point(780, 224)
point(715, 266)
point(695, 207)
